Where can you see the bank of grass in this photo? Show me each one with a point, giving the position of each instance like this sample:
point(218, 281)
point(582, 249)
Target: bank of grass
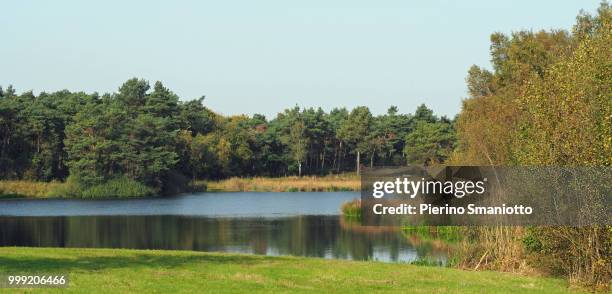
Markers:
point(351, 209)
point(123, 187)
point(27, 189)
point(330, 183)
point(120, 187)
point(448, 234)
point(143, 271)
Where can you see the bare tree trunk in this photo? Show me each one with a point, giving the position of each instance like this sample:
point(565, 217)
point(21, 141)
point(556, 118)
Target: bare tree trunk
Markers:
point(335, 157)
point(341, 157)
point(372, 160)
point(300, 168)
point(358, 156)
point(486, 153)
point(323, 160)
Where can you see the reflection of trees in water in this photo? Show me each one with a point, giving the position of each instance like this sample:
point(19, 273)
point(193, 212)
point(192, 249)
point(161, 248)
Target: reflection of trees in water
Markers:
point(320, 236)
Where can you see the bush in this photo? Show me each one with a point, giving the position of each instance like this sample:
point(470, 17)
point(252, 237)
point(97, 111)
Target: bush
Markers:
point(120, 187)
point(581, 254)
point(69, 189)
point(352, 208)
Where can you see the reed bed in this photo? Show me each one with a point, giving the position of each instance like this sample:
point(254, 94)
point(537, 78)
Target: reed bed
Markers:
point(26, 189)
point(331, 183)
point(351, 208)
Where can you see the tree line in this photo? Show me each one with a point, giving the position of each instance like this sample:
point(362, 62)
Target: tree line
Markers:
point(152, 137)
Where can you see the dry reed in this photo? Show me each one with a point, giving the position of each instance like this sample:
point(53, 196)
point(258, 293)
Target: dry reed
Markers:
point(26, 189)
point(344, 182)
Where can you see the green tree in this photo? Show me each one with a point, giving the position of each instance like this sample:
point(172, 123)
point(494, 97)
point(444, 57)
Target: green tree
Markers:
point(430, 143)
point(355, 129)
point(298, 143)
point(130, 133)
point(148, 136)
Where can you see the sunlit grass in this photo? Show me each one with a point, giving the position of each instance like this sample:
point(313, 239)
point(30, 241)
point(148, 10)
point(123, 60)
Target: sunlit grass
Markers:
point(144, 271)
point(351, 208)
point(330, 183)
point(26, 189)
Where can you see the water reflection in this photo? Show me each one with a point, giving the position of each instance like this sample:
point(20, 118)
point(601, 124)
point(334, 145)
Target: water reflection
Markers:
point(315, 236)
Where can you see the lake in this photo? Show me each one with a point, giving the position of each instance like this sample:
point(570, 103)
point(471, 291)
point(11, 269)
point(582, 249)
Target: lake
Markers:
point(300, 223)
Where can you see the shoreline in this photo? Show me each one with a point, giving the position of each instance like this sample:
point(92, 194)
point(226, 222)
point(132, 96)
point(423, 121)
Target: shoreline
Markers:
point(24, 189)
point(329, 183)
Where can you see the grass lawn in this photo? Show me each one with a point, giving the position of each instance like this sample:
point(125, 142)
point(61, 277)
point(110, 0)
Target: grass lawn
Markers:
point(144, 271)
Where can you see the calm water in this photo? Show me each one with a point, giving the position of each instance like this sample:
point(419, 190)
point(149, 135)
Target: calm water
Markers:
point(304, 224)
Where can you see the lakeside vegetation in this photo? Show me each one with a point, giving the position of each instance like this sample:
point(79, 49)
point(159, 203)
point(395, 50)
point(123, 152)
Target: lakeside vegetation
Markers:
point(330, 183)
point(116, 188)
point(104, 270)
point(546, 102)
point(124, 188)
point(142, 141)
point(27, 189)
point(351, 209)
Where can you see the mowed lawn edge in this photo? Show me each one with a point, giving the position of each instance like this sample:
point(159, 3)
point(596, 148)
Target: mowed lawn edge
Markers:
point(126, 270)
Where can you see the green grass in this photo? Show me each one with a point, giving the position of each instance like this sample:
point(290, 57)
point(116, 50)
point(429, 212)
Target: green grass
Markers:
point(351, 208)
point(449, 234)
point(143, 271)
point(119, 187)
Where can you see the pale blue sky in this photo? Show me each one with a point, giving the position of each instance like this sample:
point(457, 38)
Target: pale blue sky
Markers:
point(264, 56)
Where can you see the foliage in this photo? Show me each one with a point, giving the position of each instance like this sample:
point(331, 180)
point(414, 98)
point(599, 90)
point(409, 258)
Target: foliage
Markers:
point(119, 187)
point(567, 116)
point(128, 133)
point(430, 142)
point(547, 102)
point(151, 137)
point(488, 119)
point(351, 209)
